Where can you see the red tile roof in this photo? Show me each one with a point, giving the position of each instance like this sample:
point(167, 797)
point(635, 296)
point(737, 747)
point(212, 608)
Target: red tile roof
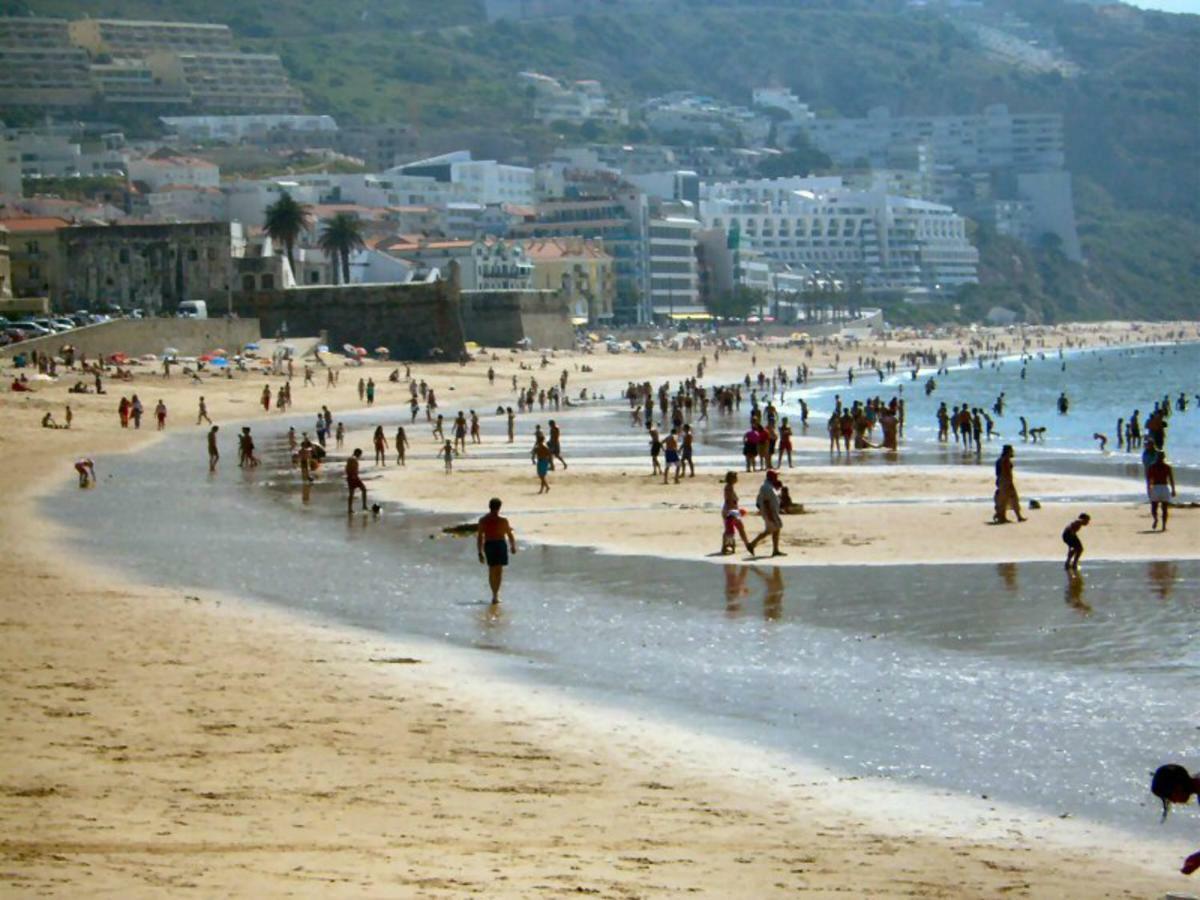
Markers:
point(34, 223)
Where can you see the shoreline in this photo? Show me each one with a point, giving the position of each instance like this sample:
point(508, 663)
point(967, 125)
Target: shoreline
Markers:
point(166, 740)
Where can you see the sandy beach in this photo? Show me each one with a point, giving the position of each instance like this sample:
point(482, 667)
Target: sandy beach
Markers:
point(159, 740)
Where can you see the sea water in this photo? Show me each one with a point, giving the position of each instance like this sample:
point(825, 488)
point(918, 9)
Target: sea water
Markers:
point(1007, 680)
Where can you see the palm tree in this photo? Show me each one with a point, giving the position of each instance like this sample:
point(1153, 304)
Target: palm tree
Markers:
point(340, 237)
point(285, 220)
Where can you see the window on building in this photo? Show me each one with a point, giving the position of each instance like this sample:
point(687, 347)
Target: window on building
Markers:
point(123, 255)
point(314, 277)
point(193, 255)
point(268, 282)
point(31, 247)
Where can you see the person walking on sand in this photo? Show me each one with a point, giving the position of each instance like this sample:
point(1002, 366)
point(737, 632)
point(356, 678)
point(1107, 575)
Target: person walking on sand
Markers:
point(135, 411)
point(381, 446)
point(340, 435)
point(362, 390)
point(731, 517)
point(494, 540)
point(671, 448)
point(370, 392)
point(214, 455)
point(541, 456)
point(401, 445)
point(686, 451)
point(266, 398)
point(160, 415)
point(1070, 537)
point(354, 482)
point(555, 443)
point(1160, 486)
point(447, 455)
point(768, 505)
point(1173, 784)
point(202, 413)
point(460, 432)
point(1006, 496)
point(512, 423)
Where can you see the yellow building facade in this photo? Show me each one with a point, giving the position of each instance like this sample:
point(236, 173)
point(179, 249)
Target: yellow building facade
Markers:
point(579, 267)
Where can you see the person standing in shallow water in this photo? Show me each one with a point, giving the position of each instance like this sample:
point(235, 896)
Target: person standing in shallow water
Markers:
point(494, 539)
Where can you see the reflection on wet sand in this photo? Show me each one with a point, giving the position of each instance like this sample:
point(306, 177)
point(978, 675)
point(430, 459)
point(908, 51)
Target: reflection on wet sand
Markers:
point(1074, 593)
point(1008, 575)
point(773, 598)
point(1162, 575)
point(735, 590)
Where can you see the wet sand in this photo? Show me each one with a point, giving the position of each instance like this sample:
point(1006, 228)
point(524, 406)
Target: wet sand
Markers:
point(157, 741)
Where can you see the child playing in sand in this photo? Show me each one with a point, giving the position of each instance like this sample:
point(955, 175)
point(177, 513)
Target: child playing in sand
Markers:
point(447, 453)
point(1070, 537)
point(1173, 784)
point(87, 471)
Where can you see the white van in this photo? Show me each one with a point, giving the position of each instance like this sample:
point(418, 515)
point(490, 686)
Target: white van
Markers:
point(192, 309)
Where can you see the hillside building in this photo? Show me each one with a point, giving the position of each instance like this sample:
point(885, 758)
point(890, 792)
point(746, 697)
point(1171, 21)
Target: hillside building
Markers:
point(575, 102)
point(481, 181)
point(130, 37)
point(228, 82)
point(878, 240)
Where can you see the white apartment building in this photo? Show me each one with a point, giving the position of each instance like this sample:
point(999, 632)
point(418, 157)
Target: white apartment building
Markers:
point(393, 189)
point(160, 170)
point(674, 276)
point(481, 181)
point(575, 102)
point(887, 243)
point(43, 154)
point(686, 113)
point(996, 139)
point(238, 128)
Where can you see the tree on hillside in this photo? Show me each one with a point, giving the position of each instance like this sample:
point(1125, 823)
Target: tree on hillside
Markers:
point(802, 159)
point(285, 220)
point(340, 237)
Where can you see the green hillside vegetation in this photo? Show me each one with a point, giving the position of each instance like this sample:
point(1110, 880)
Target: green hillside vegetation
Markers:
point(1130, 117)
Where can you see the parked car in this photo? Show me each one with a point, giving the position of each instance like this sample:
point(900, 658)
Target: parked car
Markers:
point(64, 323)
point(31, 328)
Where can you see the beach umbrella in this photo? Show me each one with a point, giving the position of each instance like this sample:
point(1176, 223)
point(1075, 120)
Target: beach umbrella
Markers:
point(382, 351)
point(350, 349)
point(171, 351)
point(206, 357)
point(219, 362)
point(220, 351)
point(251, 346)
point(360, 351)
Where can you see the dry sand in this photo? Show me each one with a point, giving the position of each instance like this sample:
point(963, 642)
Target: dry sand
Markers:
point(158, 740)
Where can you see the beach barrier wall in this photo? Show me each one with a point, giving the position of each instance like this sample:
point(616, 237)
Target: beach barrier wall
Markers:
point(504, 318)
point(135, 337)
point(411, 320)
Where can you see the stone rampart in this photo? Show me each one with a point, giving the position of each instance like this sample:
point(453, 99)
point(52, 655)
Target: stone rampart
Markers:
point(135, 337)
point(411, 320)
